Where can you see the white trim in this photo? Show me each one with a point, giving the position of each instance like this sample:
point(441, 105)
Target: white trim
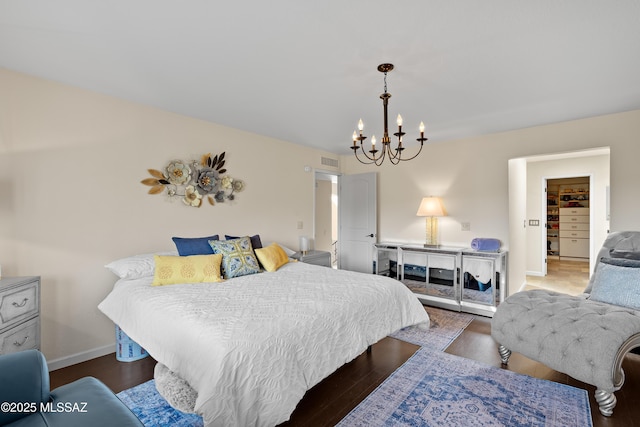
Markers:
point(524, 285)
point(73, 359)
point(535, 273)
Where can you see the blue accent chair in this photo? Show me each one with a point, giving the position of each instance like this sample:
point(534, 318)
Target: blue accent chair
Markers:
point(27, 401)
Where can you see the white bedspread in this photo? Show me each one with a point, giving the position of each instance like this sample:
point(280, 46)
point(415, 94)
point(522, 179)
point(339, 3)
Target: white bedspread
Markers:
point(252, 346)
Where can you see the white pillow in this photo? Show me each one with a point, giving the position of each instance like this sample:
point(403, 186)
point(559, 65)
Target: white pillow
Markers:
point(288, 251)
point(136, 266)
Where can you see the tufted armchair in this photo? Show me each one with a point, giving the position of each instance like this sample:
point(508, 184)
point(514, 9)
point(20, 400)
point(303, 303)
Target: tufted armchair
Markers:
point(27, 401)
point(578, 335)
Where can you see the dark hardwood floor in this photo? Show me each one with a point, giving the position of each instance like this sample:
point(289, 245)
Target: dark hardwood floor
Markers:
point(330, 400)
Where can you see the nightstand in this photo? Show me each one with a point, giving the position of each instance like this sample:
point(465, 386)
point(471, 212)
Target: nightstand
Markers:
point(19, 314)
point(322, 258)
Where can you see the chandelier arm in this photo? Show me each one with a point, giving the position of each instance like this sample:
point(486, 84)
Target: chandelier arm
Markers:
point(364, 163)
point(414, 156)
point(382, 156)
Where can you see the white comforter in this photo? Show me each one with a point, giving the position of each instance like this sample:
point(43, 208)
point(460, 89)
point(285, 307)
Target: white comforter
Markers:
point(252, 346)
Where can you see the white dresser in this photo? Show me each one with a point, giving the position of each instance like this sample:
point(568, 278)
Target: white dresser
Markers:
point(574, 232)
point(19, 314)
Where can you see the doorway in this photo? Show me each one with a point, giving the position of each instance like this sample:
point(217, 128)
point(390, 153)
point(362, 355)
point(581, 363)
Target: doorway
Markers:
point(568, 219)
point(528, 210)
point(325, 224)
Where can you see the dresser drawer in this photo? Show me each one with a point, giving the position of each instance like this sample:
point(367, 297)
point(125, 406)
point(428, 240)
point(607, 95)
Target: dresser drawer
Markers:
point(23, 337)
point(578, 248)
point(575, 226)
point(571, 219)
point(18, 304)
point(574, 211)
point(576, 234)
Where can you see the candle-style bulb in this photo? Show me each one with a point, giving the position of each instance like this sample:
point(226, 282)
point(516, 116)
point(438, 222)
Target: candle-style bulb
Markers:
point(373, 141)
point(360, 125)
point(355, 136)
point(421, 127)
point(399, 121)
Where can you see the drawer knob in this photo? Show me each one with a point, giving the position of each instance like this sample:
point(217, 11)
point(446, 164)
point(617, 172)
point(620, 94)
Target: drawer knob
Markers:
point(20, 344)
point(22, 304)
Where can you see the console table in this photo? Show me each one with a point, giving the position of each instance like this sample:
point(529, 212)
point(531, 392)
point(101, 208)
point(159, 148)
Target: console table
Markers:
point(455, 278)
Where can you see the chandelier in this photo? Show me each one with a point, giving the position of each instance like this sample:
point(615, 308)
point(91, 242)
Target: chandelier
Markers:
point(394, 154)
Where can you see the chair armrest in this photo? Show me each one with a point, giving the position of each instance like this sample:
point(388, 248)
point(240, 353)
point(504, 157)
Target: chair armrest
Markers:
point(24, 378)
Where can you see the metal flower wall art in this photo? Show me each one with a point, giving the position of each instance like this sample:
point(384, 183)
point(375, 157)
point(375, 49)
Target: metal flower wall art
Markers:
point(193, 181)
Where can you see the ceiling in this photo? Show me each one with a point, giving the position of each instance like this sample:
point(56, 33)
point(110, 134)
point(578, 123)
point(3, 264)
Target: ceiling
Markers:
point(306, 71)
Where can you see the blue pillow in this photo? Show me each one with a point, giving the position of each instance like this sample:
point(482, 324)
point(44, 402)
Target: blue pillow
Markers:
point(617, 281)
point(194, 245)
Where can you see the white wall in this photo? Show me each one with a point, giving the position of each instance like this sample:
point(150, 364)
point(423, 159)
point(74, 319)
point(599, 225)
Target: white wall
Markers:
point(472, 177)
point(597, 167)
point(71, 162)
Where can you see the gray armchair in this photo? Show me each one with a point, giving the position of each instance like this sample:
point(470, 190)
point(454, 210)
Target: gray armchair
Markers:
point(27, 401)
point(580, 336)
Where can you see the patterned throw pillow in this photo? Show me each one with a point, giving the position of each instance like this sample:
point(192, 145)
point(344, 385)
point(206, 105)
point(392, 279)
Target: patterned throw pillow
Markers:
point(238, 258)
point(171, 270)
point(272, 257)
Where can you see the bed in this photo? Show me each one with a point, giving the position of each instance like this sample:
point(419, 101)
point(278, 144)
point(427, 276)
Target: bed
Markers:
point(252, 346)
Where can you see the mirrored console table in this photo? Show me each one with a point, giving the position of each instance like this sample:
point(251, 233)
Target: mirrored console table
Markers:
point(455, 278)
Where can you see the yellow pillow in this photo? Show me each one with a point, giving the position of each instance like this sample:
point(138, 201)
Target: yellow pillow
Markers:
point(272, 257)
point(171, 270)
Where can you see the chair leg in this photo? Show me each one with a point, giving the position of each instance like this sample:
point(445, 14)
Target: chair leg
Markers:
point(606, 402)
point(505, 353)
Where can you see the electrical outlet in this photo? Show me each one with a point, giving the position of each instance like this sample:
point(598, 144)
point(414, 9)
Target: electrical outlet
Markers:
point(465, 226)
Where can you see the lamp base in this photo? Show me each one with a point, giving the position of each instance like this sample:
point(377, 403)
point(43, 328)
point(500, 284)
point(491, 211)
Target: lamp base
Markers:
point(431, 240)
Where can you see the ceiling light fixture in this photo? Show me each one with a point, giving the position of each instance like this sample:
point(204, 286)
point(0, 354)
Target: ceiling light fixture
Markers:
point(394, 155)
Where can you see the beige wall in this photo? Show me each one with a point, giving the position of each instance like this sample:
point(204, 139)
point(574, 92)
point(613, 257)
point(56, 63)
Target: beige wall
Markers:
point(71, 201)
point(71, 162)
point(472, 177)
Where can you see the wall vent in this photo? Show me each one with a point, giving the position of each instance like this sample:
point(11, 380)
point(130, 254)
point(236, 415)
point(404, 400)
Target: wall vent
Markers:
point(326, 161)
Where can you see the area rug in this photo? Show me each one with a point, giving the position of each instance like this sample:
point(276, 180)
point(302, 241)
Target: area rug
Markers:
point(153, 410)
point(438, 389)
point(446, 326)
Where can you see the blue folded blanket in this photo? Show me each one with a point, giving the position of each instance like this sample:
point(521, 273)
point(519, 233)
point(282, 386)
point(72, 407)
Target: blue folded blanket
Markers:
point(481, 244)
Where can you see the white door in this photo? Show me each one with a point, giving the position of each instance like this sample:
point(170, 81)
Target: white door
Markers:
point(358, 221)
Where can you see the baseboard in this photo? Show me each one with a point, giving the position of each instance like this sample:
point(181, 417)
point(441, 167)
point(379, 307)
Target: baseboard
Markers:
point(63, 362)
point(534, 273)
point(524, 285)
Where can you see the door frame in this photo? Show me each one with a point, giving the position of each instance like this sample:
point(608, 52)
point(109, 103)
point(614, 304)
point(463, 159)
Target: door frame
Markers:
point(338, 175)
point(546, 178)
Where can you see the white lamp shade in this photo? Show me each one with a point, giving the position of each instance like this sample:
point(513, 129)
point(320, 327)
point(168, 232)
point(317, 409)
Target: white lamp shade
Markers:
point(431, 206)
point(304, 244)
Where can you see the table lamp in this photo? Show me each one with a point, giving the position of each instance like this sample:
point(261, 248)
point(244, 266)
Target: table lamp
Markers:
point(431, 207)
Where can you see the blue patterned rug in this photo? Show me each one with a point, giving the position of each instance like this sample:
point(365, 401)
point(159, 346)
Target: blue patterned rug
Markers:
point(438, 389)
point(153, 410)
point(431, 389)
point(445, 327)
